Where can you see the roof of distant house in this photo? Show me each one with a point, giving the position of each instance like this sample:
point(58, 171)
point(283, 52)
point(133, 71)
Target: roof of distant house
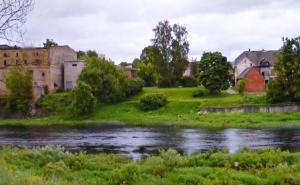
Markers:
point(244, 73)
point(258, 56)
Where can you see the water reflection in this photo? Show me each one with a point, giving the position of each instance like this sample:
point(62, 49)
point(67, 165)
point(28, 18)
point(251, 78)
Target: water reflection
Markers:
point(138, 142)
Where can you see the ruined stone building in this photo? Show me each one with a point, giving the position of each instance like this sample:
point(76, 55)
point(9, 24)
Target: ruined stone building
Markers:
point(45, 64)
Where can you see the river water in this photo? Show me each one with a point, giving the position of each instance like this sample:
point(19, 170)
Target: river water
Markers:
point(137, 142)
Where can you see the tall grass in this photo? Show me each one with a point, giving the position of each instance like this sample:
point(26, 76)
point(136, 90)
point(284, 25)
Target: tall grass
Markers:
point(52, 165)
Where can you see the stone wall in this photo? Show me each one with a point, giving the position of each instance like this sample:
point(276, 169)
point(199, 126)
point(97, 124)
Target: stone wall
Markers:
point(251, 109)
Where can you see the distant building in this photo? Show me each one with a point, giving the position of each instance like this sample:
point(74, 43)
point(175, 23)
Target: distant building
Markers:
point(72, 70)
point(129, 70)
point(251, 62)
point(254, 80)
point(45, 64)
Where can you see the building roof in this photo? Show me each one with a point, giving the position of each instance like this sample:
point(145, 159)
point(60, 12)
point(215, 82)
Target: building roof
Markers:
point(7, 47)
point(244, 73)
point(258, 57)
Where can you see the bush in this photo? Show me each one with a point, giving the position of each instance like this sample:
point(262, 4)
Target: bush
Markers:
point(19, 84)
point(241, 86)
point(135, 86)
point(109, 84)
point(164, 83)
point(275, 93)
point(199, 93)
point(127, 174)
point(188, 81)
point(153, 102)
point(84, 101)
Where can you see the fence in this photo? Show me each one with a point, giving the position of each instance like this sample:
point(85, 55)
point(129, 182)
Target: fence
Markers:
point(255, 108)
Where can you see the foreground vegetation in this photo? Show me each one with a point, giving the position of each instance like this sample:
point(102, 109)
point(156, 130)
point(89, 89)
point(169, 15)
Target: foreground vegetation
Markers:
point(51, 165)
point(181, 111)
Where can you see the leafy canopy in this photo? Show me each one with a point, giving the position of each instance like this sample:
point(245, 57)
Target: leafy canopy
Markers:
point(215, 72)
point(147, 72)
point(107, 82)
point(286, 86)
point(171, 42)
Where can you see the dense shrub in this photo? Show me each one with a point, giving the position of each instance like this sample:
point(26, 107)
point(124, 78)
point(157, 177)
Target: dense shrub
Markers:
point(56, 102)
point(241, 86)
point(19, 84)
point(275, 93)
point(199, 93)
point(83, 100)
point(188, 81)
point(164, 83)
point(127, 174)
point(152, 102)
point(135, 86)
point(108, 83)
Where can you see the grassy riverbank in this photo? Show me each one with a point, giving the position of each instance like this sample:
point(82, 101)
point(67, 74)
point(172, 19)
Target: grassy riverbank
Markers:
point(181, 111)
point(47, 166)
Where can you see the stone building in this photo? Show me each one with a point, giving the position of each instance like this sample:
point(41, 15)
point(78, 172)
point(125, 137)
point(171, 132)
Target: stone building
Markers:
point(72, 70)
point(45, 64)
point(262, 60)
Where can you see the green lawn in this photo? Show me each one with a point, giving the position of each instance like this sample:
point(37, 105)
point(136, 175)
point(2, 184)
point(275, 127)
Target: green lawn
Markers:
point(181, 111)
point(53, 166)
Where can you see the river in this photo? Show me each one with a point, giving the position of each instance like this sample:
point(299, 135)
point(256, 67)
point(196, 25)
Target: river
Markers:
point(137, 142)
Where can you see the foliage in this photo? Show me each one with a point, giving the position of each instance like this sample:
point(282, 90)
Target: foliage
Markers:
point(147, 72)
point(135, 62)
point(19, 84)
point(152, 102)
point(188, 81)
point(241, 86)
point(287, 84)
point(152, 55)
point(52, 165)
point(49, 43)
point(199, 93)
point(215, 72)
point(135, 86)
point(171, 41)
point(108, 83)
point(194, 69)
point(83, 100)
point(57, 102)
point(83, 55)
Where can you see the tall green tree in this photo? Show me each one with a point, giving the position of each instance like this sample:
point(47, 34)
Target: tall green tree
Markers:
point(179, 51)
point(152, 55)
point(163, 41)
point(49, 43)
point(286, 87)
point(147, 72)
point(215, 72)
point(19, 84)
point(173, 46)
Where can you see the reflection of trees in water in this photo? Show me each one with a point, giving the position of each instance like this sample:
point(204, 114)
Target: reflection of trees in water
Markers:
point(288, 139)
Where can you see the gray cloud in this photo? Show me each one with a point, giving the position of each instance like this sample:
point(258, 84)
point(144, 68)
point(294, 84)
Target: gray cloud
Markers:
point(120, 29)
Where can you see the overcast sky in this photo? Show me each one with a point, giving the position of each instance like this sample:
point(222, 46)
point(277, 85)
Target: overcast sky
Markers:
point(120, 29)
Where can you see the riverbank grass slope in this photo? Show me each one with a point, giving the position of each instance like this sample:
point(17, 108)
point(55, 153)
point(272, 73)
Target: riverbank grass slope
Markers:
point(181, 111)
point(49, 165)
